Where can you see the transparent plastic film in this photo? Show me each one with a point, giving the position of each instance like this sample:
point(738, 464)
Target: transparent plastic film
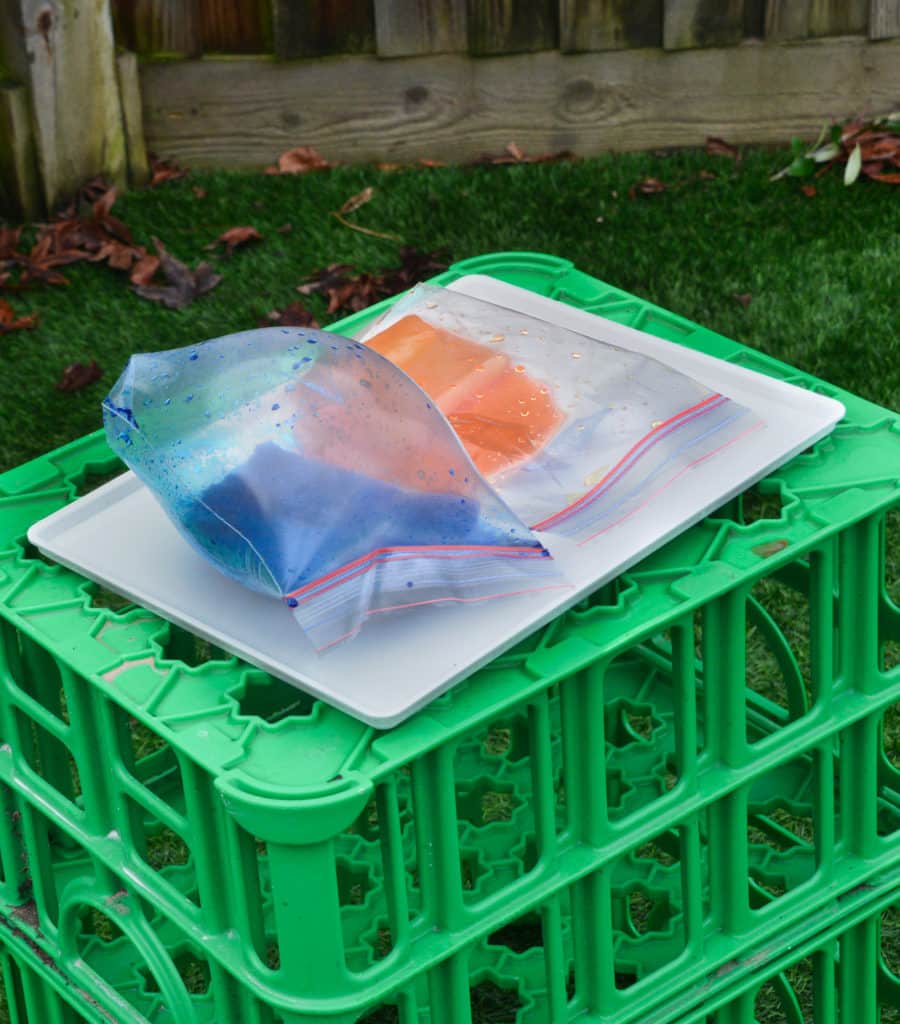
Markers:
point(306, 466)
point(576, 435)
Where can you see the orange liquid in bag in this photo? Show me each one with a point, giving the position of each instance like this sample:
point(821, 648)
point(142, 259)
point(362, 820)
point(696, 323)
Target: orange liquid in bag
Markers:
point(500, 413)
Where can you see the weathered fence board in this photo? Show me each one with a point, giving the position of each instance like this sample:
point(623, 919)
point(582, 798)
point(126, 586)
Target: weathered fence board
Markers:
point(132, 118)
point(158, 26)
point(609, 24)
point(243, 113)
point(310, 28)
point(787, 19)
point(19, 186)
point(884, 19)
point(690, 23)
point(512, 26)
point(235, 26)
point(407, 28)
point(74, 94)
point(838, 17)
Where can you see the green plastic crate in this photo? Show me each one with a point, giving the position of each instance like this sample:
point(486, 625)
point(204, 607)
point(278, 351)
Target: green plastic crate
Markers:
point(699, 759)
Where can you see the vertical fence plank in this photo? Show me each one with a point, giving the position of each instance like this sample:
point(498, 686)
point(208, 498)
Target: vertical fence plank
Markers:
point(19, 184)
point(884, 19)
point(310, 28)
point(74, 94)
point(609, 24)
point(512, 26)
point(787, 19)
point(690, 23)
point(838, 17)
point(132, 117)
point(404, 28)
point(158, 26)
point(234, 26)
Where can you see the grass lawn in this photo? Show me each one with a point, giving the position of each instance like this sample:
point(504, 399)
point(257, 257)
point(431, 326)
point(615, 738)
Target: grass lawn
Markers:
point(823, 273)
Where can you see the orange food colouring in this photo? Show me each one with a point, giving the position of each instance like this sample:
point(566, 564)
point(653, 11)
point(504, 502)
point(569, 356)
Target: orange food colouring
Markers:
point(500, 413)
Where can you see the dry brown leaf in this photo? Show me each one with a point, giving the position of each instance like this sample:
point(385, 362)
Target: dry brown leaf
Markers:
point(808, 190)
point(647, 187)
point(199, 193)
point(425, 162)
point(744, 298)
point(10, 322)
point(183, 284)
point(234, 237)
point(79, 375)
point(514, 151)
point(299, 160)
point(295, 314)
point(164, 170)
point(144, 270)
point(285, 229)
point(355, 202)
point(892, 178)
point(719, 147)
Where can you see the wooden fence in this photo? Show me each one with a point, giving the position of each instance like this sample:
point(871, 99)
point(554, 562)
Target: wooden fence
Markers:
point(86, 87)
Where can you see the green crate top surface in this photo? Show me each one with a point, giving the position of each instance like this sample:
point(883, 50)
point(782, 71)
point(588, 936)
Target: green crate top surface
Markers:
point(264, 741)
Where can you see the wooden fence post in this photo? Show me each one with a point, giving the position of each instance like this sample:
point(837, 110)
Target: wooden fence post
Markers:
point(75, 105)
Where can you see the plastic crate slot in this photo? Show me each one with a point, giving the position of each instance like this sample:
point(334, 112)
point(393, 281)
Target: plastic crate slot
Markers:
point(888, 775)
point(762, 501)
point(487, 802)
point(386, 1014)
point(493, 1003)
point(779, 688)
point(50, 759)
point(520, 935)
point(103, 597)
point(788, 998)
point(193, 970)
point(891, 556)
point(183, 646)
point(628, 723)
point(273, 700)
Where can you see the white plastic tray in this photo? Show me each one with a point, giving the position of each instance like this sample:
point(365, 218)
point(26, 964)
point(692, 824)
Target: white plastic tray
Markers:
point(119, 536)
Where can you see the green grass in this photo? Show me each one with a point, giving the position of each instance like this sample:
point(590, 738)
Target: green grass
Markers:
point(824, 272)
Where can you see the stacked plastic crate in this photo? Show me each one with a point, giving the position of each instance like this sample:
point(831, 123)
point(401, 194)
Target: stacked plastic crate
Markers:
point(679, 802)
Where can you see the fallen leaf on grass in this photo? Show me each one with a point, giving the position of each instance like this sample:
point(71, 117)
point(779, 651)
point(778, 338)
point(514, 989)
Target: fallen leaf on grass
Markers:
point(144, 270)
point(295, 314)
point(808, 190)
point(425, 162)
point(199, 193)
point(79, 375)
point(234, 237)
point(719, 147)
point(285, 229)
point(299, 160)
point(9, 242)
point(360, 199)
point(183, 284)
point(10, 322)
point(744, 298)
point(164, 170)
point(647, 187)
point(893, 178)
point(705, 175)
point(352, 292)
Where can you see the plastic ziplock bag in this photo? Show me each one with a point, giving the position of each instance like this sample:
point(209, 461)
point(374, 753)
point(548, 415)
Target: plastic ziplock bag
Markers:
point(307, 466)
point(576, 435)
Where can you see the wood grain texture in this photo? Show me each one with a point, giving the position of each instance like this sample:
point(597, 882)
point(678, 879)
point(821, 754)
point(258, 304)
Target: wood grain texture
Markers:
point(74, 93)
point(233, 26)
point(586, 25)
point(244, 113)
point(787, 19)
point(158, 26)
point(312, 28)
point(20, 192)
point(884, 19)
point(690, 23)
point(838, 17)
point(408, 28)
point(512, 26)
point(132, 118)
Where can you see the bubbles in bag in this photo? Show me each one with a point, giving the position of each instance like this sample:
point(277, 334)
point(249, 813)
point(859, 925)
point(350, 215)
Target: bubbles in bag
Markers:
point(307, 466)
